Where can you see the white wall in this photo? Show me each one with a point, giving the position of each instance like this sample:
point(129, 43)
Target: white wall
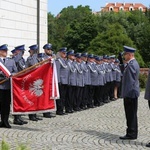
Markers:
point(18, 23)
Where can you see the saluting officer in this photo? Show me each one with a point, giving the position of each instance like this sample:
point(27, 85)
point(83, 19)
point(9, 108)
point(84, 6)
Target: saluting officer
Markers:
point(79, 82)
point(5, 93)
point(63, 74)
point(20, 63)
point(32, 60)
point(130, 92)
point(71, 82)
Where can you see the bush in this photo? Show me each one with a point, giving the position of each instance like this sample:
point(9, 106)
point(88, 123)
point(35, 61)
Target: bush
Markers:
point(142, 80)
point(5, 146)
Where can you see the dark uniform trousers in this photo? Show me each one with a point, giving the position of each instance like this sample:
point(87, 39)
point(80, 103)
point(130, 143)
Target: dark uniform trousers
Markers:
point(5, 104)
point(91, 90)
point(70, 98)
point(61, 102)
point(84, 97)
point(78, 98)
point(96, 96)
point(106, 92)
point(130, 106)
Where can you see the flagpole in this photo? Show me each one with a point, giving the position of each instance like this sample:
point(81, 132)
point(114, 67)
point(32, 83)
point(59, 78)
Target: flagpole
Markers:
point(25, 70)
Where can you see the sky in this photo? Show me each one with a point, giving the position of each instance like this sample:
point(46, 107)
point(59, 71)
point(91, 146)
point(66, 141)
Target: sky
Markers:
point(55, 6)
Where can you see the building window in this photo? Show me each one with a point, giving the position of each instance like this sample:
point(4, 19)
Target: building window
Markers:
point(131, 8)
point(111, 8)
point(140, 8)
point(121, 8)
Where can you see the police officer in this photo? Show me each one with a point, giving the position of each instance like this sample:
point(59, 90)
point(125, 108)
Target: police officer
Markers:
point(79, 83)
point(117, 80)
point(130, 93)
point(32, 60)
point(63, 75)
point(101, 82)
point(5, 87)
point(147, 96)
point(93, 77)
point(107, 79)
point(20, 63)
point(48, 53)
point(86, 81)
point(71, 82)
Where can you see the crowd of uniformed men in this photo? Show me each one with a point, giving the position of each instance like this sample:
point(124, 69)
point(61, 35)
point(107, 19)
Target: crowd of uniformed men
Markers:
point(85, 80)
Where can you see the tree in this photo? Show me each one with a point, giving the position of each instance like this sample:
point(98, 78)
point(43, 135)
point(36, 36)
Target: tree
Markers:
point(81, 33)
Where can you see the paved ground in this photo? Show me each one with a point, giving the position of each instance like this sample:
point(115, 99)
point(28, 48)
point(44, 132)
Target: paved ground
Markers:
point(93, 129)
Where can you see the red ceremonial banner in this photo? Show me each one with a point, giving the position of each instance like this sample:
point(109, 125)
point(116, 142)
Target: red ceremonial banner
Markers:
point(31, 92)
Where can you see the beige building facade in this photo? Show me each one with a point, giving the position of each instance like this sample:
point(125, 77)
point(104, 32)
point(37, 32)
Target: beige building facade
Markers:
point(23, 22)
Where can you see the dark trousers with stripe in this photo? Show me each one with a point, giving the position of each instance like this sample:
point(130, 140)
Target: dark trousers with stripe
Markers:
point(130, 107)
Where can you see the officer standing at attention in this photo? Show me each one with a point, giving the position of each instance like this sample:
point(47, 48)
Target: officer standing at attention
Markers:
point(32, 60)
point(130, 93)
point(93, 75)
point(63, 75)
point(86, 80)
point(5, 87)
point(20, 63)
point(48, 53)
point(79, 81)
point(71, 82)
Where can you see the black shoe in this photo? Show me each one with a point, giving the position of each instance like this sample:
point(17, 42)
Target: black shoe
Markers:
point(24, 122)
point(5, 125)
point(39, 118)
point(69, 111)
point(18, 122)
point(127, 138)
point(61, 113)
point(148, 145)
point(32, 118)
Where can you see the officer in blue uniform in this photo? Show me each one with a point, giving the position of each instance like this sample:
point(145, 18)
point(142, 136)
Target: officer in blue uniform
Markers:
point(32, 60)
point(93, 79)
point(79, 83)
point(130, 93)
point(63, 75)
point(86, 81)
point(5, 93)
point(20, 63)
point(147, 96)
point(48, 53)
point(101, 82)
point(71, 82)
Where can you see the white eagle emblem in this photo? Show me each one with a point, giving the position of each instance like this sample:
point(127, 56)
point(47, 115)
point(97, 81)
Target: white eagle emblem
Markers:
point(36, 88)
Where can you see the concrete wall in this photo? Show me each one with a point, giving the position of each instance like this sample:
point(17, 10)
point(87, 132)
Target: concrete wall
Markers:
point(18, 23)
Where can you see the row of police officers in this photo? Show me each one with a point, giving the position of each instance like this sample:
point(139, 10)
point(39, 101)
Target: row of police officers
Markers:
point(85, 80)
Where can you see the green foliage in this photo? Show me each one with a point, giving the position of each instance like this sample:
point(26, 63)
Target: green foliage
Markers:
point(4, 145)
point(105, 33)
point(142, 80)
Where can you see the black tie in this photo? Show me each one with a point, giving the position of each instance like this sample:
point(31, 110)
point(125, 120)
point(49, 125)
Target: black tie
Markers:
point(4, 60)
